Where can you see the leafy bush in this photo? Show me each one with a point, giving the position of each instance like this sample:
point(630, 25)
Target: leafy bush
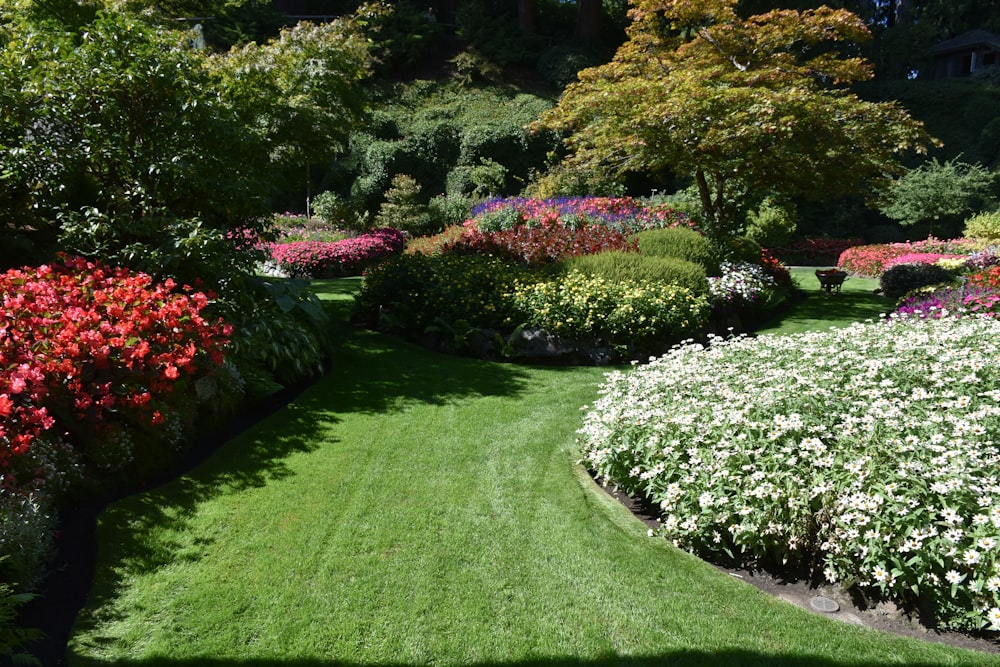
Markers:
point(448, 210)
point(682, 243)
point(435, 244)
point(560, 64)
point(331, 207)
point(625, 312)
point(616, 266)
point(903, 278)
point(772, 224)
point(349, 257)
point(983, 226)
point(943, 194)
point(872, 461)
point(283, 338)
point(742, 250)
point(407, 294)
point(400, 209)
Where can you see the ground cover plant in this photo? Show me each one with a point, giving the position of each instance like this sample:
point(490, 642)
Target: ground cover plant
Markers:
point(866, 453)
point(455, 530)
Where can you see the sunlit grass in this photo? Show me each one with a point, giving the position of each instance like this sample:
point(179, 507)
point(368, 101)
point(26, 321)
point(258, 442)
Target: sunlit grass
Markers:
point(411, 509)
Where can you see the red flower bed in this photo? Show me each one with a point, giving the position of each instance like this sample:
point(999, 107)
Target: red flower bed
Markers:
point(83, 346)
point(546, 242)
point(350, 257)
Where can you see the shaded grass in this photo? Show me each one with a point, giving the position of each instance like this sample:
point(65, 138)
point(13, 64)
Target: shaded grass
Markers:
point(818, 310)
point(412, 509)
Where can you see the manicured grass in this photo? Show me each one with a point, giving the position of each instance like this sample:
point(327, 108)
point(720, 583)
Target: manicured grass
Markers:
point(413, 509)
point(820, 310)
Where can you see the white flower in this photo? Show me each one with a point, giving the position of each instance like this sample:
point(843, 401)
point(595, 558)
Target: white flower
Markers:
point(953, 577)
point(993, 584)
point(993, 616)
point(986, 543)
point(880, 574)
point(971, 557)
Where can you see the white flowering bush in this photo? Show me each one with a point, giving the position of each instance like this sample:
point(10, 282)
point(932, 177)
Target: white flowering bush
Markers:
point(741, 285)
point(868, 453)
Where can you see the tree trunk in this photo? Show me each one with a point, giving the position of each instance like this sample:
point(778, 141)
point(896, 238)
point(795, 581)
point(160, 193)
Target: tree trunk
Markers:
point(588, 19)
point(526, 15)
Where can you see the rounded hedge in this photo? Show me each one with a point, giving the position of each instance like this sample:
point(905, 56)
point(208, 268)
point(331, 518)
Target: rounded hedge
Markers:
point(619, 267)
point(681, 243)
point(902, 278)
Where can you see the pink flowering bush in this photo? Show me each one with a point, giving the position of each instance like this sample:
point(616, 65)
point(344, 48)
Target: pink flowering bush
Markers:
point(872, 260)
point(349, 257)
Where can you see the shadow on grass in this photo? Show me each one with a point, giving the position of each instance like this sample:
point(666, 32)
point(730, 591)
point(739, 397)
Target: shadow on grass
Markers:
point(815, 310)
point(681, 658)
point(369, 373)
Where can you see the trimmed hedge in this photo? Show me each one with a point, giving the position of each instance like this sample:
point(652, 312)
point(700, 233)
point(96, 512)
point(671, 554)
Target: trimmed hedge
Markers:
point(620, 267)
point(681, 243)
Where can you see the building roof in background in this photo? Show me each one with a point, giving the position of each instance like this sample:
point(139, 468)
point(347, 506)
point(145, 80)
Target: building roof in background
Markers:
point(967, 40)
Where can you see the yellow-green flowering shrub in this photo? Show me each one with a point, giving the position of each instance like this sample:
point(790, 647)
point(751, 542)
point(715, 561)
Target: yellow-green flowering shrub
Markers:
point(625, 313)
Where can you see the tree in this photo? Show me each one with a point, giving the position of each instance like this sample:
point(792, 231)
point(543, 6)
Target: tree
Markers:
point(940, 194)
point(744, 107)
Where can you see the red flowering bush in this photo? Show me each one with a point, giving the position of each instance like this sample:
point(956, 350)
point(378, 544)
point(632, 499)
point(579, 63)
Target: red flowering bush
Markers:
point(548, 241)
point(350, 257)
point(84, 347)
point(90, 357)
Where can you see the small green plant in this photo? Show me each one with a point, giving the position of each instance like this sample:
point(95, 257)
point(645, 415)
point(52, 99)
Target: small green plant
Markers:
point(983, 225)
point(621, 267)
point(681, 243)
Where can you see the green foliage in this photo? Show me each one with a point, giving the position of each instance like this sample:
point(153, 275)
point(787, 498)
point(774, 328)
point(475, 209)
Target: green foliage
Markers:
point(624, 311)
point(940, 194)
point(451, 138)
point(772, 225)
point(331, 207)
point(682, 243)
point(629, 267)
point(400, 209)
point(471, 67)
point(983, 226)
point(281, 336)
point(404, 36)
point(900, 279)
point(410, 293)
point(13, 638)
point(560, 64)
point(740, 105)
point(742, 249)
point(446, 210)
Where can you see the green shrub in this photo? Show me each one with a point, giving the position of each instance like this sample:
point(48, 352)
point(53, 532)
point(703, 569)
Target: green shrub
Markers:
point(560, 64)
point(633, 313)
point(400, 209)
point(629, 267)
point(983, 226)
point(772, 224)
point(448, 210)
point(902, 278)
point(742, 249)
point(407, 294)
point(331, 207)
point(682, 243)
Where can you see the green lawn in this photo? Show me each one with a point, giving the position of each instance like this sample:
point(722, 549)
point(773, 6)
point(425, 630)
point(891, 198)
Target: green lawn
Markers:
point(418, 509)
point(820, 310)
